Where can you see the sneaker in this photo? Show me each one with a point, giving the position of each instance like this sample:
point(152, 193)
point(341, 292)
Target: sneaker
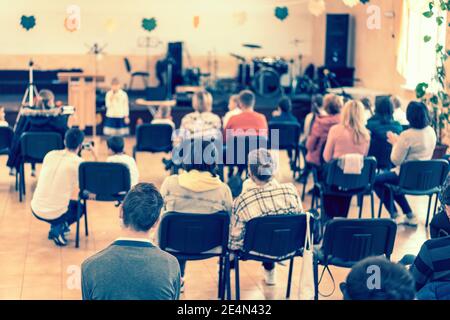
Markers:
point(182, 285)
point(12, 171)
point(398, 220)
point(410, 220)
point(57, 235)
point(66, 229)
point(33, 172)
point(59, 240)
point(270, 277)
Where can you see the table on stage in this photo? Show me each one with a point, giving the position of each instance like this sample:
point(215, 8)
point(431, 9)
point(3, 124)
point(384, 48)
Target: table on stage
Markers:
point(82, 96)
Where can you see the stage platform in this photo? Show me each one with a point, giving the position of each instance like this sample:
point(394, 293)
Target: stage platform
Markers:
point(301, 106)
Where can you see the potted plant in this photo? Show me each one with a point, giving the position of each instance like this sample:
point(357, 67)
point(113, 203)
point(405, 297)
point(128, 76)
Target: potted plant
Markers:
point(438, 99)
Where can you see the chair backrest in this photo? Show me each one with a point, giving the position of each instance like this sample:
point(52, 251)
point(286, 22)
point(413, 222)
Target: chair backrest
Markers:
point(35, 145)
point(154, 137)
point(106, 180)
point(288, 134)
point(351, 240)
point(238, 148)
point(337, 178)
point(6, 136)
point(423, 175)
point(275, 235)
point(127, 64)
point(194, 233)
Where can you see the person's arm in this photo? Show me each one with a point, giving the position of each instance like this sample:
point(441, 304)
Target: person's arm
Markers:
point(313, 137)
point(400, 148)
point(236, 229)
point(85, 288)
point(329, 146)
point(422, 268)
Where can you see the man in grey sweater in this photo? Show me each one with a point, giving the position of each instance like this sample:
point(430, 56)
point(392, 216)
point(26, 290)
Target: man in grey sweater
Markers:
point(132, 268)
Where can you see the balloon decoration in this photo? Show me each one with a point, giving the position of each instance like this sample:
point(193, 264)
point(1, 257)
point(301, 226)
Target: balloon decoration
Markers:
point(281, 13)
point(240, 18)
point(72, 22)
point(316, 7)
point(149, 24)
point(196, 21)
point(28, 22)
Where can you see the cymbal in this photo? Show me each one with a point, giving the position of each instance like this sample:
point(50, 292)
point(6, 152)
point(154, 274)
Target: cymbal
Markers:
point(251, 46)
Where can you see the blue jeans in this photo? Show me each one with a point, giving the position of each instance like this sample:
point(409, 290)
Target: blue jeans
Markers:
point(380, 189)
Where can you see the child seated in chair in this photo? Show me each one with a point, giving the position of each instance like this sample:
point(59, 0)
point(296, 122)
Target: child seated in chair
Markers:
point(116, 154)
point(163, 116)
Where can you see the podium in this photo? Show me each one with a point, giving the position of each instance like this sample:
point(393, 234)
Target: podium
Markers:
point(82, 96)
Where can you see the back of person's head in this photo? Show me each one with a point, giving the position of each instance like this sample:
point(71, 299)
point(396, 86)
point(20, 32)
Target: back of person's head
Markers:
point(165, 111)
point(115, 82)
point(332, 104)
point(417, 115)
point(367, 103)
point(353, 118)
point(116, 144)
point(261, 164)
point(376, 278)
point(285, 104)
point(316, 103)
point(202, 101)
point(141, 207)
point(200, 155)
point(73, 138)
point(246, 99)
point(46, 99)
point(233, 102)
point(396, 102)
point(384, 108)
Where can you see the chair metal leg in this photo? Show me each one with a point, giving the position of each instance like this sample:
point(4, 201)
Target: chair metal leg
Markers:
point(435, 204)
point(86, 231)
point(380, 209)
point(236, 278)
point(291, 268)
point(221, 278)
point(372, 204)
point(21, 181)
point(77, 233)
point(428, 211)
point(17, 180)
point(360, 206)
point(316, 279)
point(130, 85)
point(304, 190)
point(227, 280)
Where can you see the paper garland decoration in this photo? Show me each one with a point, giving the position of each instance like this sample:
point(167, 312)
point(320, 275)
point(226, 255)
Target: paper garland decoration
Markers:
point(196, 21)
point(73, 20)
point(28, 22)
point(281, 13)
point(316, 7)
point(149, 24)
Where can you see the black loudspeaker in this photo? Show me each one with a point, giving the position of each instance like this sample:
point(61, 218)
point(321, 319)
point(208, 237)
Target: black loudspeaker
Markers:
point(339, 49)
point(175, 53)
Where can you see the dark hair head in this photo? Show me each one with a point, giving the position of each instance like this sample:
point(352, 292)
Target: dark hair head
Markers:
point(285, 104)
point(332, 104)
point(376, 278)
point(417, 115)
point(141, 207)
point(261, 165)
point(74, 138)
point(316, 103)
point(46, 99)
point(246, 99)
point(384, 108)
point(201, 155)
point(366, 103)
point(116, 144)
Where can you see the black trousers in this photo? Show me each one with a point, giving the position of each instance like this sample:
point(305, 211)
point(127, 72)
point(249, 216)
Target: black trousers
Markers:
point(440, 225)
point(70, 216)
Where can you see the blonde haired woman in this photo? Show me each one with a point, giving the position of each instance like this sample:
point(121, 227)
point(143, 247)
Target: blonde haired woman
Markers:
point(349, 136)
point(201, 123)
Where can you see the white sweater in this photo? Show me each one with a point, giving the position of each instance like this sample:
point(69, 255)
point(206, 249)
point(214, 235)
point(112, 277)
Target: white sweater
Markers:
point(116, 104)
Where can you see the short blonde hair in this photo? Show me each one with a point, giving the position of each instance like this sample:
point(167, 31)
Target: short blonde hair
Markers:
point(202, 101)
point(353, 118)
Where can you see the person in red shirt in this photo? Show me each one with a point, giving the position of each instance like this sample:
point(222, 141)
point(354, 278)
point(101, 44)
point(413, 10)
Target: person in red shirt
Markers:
point(248, 122)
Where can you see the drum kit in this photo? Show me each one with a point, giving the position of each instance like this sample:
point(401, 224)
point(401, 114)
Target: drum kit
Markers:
point(261, 74)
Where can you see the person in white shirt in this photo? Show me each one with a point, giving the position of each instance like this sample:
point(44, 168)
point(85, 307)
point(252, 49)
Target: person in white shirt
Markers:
point(163, 116)
point(117, 111)
point(399, 114)
point(58, 185)
point(117, 155)
point(233, 109)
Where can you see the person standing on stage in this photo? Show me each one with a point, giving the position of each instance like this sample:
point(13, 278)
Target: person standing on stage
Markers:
point(117, 111)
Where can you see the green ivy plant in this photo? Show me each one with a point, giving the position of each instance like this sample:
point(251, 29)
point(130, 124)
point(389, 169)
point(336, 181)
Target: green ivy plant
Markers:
point(438, 101)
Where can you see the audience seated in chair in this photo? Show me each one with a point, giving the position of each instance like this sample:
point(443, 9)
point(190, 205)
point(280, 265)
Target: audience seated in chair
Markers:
point(198, 189)
point(283, 113)
point(416, 143)
point(132, 268)
point(440, 224)
point(163, 116)
point(316, 140)
point(57, 186)
point(399, 115)
point(379, 125)
point(233, 109)
point(350, 136)
point(316, 110)
point(431, 269)
point(116, 153)
point(377, 278)
point(368, 109)
point(45, 117)
point(262, 195)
